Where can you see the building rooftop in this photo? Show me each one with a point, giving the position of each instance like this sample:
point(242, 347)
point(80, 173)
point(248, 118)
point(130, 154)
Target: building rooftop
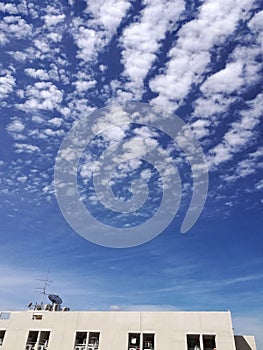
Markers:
point(51, 327)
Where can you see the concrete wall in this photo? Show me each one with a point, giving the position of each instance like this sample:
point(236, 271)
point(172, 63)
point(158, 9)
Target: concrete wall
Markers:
point(170, 328)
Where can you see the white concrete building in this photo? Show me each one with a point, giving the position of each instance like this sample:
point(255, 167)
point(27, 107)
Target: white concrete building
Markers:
point(49, 329)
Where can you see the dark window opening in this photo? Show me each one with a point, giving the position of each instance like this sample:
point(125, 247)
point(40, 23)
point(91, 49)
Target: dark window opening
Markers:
point(31, 340)
point(134, 341)
point(2, 335)
point(37, 316)
point(148, 341)
point(81, 340)
point(43, 340)
point(193, 342)
point(209, 342)
point(94, 338)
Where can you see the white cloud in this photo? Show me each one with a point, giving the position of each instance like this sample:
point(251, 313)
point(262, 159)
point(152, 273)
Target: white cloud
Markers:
point(146, 174)
point(56, 37)
point(13, 26)
point(108, 13)
point(116, 133)
point(8, 8)
point(42, 95)
point(27, 148)
point(114, 307)
point(245, 167)
point(15, 126)
point(256, 26)
point(42, 45)
point(223, 88)
point(200, 128)
point(89, 42)
point(53, 133)
point(52, 20)
point(91, 36)
point(138, 147)
point(77, 108)
point(190, 56)
point(145, 132)
point(121, 96)
point(84, 85)
point(142, 40)
point(239, 133)
point(7, 83)
point(144, 307)
point(57, 122)
point(22, 178)
point(17, 55)
point(40, 74)
point(226, 80)
point(37, 119)
point(250, 165)
point(259, 184)
point(240, 73)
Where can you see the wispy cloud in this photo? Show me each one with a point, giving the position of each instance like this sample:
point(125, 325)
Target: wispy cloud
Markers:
point(142, 40)
point(189, 59)
point(239, 134)
point(7, 82)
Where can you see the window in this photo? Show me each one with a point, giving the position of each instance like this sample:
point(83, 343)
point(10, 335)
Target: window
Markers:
point(148, 341)
point(94, 338)
point(134, 341)
point(43, 340)
point(31, 340)
point(4, 315)
point(80, 340)
point(193, 342)
point(2, 335)
point(37, 316)
point(37, 340)
point(209, 342)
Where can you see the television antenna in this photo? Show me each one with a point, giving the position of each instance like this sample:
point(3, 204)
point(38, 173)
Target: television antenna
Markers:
point(44, 288)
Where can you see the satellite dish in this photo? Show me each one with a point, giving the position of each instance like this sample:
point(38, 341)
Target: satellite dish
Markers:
point(55, 299)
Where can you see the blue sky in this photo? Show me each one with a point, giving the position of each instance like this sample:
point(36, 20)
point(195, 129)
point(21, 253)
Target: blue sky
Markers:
point(63, 60)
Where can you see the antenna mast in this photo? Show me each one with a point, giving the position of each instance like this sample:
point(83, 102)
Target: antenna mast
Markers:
point(44, 288)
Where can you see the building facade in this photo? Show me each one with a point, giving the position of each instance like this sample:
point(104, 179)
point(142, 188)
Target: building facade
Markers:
point(50, 328)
